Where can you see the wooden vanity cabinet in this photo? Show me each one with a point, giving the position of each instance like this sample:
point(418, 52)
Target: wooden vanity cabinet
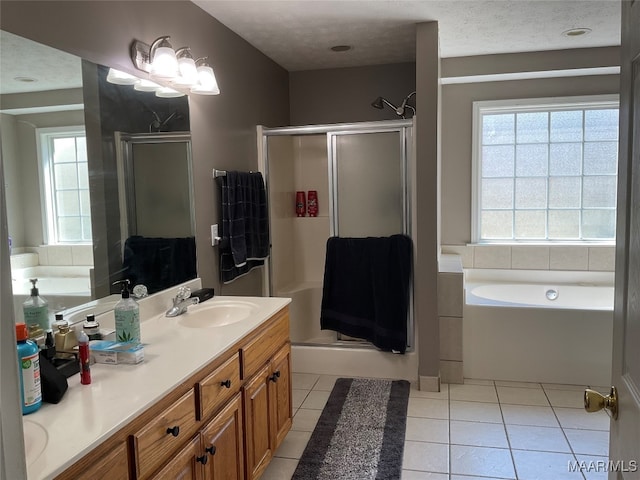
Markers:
point(223, 423)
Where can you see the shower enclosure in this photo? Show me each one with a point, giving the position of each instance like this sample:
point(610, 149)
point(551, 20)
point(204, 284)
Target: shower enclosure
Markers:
point(361, 172)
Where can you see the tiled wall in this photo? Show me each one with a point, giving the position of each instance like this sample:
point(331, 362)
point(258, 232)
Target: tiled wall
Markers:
point(450, 302)
point(599, 258)
point(64, 255)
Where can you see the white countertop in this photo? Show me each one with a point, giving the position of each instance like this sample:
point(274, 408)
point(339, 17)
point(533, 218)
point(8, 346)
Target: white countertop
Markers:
point(89, 414)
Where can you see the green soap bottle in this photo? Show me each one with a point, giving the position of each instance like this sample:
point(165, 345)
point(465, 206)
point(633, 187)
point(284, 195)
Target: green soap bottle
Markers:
point(127, 315)
point(36, 312)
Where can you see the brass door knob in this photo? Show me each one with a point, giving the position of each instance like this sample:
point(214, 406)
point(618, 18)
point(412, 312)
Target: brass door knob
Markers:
point(595, 401)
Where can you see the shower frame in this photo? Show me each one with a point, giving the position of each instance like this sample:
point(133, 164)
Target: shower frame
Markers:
point(404, 128)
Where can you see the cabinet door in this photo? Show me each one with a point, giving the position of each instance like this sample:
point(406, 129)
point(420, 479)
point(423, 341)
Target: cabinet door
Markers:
point(258, 445)
point(280, 395)
point(222, 443)
point(113, 466)
point(185, 465)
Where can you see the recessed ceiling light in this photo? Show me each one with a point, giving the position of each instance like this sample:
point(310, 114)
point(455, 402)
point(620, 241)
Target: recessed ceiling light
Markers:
point(25, 79)
point(576, 32)
point(341, 48)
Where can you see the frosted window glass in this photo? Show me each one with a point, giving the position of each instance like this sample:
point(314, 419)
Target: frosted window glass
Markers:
point(566, 126)
point(600, 158)
point(69, 229)
point(498, 161)
point(369, 183)
point(86, 228)
point(564, 192)
point(68, 203)
point(565, 159)
point(498, 129)
point(531, 224)
point(532, 127)
point(66, 176)
point(85, 204)
point(497, 193)
point(597, 224)
point(600, 191)
point(83, 175)
point(531, 193)
point(601, 125)
point(564, 224)
point(496, 224)
point(64, 150)
point(532, 160)
point(81, 145)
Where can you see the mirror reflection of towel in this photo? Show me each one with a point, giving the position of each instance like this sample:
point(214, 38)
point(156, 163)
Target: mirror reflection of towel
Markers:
point(159, 263)
point(245, 224)
point(366, 289)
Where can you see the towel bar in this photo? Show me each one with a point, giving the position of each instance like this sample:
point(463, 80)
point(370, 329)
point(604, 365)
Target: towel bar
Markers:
point(219, 173)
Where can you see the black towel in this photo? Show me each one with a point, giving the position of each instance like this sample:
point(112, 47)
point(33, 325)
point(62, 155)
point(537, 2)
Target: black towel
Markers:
point(366, 289)
point(159, 263)
point(245, 224)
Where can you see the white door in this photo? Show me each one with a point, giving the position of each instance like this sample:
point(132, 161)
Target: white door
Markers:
point(625, 431)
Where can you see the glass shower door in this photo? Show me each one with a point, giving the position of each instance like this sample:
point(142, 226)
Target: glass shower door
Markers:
point(369, 176)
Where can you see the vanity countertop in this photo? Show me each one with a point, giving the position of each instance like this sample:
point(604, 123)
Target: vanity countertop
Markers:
point(89, 414)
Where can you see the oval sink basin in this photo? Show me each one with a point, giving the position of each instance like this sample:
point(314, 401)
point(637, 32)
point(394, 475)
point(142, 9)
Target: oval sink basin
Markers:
point(35, 440)
point(217, 314)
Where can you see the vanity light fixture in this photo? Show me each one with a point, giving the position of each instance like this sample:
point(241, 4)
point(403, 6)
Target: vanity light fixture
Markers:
point(121, 78)
point(168, 92)
point(146, 86)
point(177, 69)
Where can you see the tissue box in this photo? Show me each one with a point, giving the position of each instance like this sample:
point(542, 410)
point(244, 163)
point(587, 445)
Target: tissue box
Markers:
point(106, 351)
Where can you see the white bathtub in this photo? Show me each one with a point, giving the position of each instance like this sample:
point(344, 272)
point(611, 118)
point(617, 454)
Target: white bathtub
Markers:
point(317, 351)
point(513, 330)
point(62, 286)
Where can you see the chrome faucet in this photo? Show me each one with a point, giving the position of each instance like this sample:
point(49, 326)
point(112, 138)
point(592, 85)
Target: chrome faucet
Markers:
point(181, 302)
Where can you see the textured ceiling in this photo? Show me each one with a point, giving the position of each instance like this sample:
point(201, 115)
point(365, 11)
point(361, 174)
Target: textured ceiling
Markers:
point(50, 69)
point(297, 34)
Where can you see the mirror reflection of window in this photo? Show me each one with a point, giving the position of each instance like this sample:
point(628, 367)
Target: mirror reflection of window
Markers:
point(65, 182)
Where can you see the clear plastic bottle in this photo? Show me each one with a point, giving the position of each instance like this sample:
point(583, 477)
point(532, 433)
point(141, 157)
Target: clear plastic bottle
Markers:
point(36, 312)
point(29, 370)
point(127, 315)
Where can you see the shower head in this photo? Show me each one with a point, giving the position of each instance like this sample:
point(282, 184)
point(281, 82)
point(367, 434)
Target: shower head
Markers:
point(380, 102)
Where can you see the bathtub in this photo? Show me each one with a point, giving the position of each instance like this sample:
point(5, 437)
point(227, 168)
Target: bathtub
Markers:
point(62, 286)
point(538, 326)
point(318, 351)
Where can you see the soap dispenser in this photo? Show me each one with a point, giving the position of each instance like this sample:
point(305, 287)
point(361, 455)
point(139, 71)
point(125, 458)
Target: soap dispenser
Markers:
point(36, 312)
point(127, 315)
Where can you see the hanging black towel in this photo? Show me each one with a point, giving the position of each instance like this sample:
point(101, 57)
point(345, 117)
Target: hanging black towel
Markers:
point(159, 263)
point(366, 289)
point(245, 224)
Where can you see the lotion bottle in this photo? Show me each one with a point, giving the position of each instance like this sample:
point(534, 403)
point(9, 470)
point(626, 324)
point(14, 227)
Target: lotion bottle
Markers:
point(36, 312)
point(127, 315)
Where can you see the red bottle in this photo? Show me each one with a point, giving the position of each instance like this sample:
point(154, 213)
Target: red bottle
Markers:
point(312, 203)
point(301, 204)
point(83, 348)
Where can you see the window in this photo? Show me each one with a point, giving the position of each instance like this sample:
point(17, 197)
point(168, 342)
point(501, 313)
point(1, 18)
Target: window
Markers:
point(65, 184)
point(545, 170)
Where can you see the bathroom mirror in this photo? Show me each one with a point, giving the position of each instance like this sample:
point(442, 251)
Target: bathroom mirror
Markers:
point(43, 88)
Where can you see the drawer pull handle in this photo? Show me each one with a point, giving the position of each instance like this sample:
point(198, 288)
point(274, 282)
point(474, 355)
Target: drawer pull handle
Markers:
point(274, 378)
point(202, 459)
point(226, 383)
point(175, 431)
point(211, 449)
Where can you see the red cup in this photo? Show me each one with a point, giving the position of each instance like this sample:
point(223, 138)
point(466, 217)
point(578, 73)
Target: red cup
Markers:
point(312, 203)
point(301, 204)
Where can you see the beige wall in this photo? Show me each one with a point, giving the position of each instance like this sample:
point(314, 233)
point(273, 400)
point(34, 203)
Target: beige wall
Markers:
point(223, 127)
point(457, 103)
point(344, 95)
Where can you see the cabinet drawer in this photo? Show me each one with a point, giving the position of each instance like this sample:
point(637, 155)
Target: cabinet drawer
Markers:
point(219, 386)
point(155, 443)
point(258, 351)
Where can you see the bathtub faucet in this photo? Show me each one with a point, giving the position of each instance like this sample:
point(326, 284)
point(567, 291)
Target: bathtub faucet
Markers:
point(181, 302)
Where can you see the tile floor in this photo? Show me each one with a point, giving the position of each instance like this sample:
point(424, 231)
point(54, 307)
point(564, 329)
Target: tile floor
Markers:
point(482, 430)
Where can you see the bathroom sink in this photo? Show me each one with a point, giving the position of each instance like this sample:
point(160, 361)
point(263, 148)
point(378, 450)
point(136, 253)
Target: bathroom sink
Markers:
point(217, 314)
point(35, 440)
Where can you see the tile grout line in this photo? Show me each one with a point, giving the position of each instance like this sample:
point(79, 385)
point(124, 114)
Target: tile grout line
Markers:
point(506, 432)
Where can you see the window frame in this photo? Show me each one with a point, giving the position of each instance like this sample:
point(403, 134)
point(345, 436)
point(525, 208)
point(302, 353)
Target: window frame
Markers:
point(523, 105)
point(43, 137)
